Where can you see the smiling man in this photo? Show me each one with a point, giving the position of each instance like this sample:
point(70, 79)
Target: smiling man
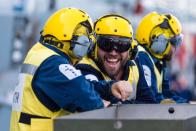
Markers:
point(113, 59)
point(110, 58)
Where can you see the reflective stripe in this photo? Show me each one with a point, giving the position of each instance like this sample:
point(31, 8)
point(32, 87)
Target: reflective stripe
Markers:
point(159, 76)
point(26, 118)
point(28, 69)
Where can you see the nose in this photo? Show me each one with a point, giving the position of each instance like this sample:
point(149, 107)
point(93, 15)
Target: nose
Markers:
point(113, 52)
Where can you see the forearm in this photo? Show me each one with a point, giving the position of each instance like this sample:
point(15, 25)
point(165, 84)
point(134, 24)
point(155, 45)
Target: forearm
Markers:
point(104, 89)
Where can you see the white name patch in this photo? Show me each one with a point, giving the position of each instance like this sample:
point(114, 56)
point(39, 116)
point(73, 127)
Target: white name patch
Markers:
point(69, 71)
point(147, 74)
point(91, 77)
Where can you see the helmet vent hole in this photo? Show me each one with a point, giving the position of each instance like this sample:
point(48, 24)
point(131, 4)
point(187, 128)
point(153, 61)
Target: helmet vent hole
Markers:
point(97, 29)
point(83, 16)
point(65, 35)
point(115, 18)
point(115, 30)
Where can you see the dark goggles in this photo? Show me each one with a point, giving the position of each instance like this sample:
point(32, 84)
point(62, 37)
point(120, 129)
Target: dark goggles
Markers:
point(109, 43)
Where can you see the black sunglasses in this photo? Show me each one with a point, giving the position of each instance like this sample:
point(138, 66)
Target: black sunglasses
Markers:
point(109, 43)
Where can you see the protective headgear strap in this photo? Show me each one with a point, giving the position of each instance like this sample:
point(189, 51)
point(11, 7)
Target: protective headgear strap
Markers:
point(51, 42)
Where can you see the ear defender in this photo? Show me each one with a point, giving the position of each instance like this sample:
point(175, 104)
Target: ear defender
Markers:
point(80, 46)
point(91, 52)
point(133, 52)
point(133, 49)
point(159, 44)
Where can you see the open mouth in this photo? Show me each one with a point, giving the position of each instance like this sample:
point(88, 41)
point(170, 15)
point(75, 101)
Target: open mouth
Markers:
point(112, 62)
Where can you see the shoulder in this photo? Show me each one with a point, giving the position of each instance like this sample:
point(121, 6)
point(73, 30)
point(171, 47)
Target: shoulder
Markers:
point(145, 60)
point(90, 72)
point(55, 60)
point(89, 68)
point(58, 66)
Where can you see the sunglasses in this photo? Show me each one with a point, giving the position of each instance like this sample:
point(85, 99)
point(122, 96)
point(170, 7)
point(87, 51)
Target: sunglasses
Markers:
point(109, 43)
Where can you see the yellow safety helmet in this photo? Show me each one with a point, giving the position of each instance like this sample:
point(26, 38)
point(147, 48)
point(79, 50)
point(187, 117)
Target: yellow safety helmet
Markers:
point(67, 27)
point(154, 24)
point(146, 25)
point(113, 25)
point(62, 23)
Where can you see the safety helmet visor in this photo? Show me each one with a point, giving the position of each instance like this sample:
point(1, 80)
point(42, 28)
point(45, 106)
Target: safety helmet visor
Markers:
point(109, 43)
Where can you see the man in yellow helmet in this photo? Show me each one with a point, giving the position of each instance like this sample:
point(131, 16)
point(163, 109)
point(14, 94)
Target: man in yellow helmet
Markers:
point(159, 35)
point(110, 58)
point(49, 86)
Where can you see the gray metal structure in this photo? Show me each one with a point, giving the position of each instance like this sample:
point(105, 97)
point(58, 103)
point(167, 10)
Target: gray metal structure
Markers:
point(140, 117)
point(6, 37)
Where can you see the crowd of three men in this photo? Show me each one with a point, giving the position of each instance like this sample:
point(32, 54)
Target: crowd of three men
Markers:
point(78, 67)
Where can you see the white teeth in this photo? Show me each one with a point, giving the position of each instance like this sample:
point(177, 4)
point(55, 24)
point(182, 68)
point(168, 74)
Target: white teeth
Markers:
point(112, 60)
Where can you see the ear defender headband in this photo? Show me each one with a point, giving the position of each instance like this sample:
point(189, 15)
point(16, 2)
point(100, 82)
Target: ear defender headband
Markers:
point(160, 43)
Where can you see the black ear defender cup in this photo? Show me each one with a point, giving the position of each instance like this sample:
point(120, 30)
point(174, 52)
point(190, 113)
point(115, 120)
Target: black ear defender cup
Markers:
point(133, 52)
point(91, 51)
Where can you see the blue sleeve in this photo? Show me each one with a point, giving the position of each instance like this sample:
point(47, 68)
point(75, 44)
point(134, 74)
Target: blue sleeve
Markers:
point(104, 89)
point(101, 86)
point(89, 70)
point(144, 93)
point(167, 92)
point(149, 75)
point(64, 87)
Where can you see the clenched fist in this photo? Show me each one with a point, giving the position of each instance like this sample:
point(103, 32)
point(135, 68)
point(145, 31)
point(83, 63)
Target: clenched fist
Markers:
point(122, 90)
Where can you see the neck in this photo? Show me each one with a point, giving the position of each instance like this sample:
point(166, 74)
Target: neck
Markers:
point(73, 60)
point(118, 76)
